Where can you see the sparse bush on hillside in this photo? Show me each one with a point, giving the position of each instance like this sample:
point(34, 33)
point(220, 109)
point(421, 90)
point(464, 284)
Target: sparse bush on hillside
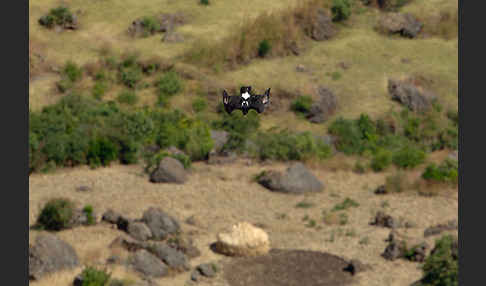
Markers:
point(199, 104)
point(168, 85)
point(264, 48)
point(70, 74)
point(204, 2)
point(341, 10)
point(150, 25)
point(446, 172)
point(302, 104)
point(409, 157)
point(92, 276)
point(128, 97)
point(130, 76)
point(56, 215)
point(88, 211)
point(101, 152)
point(57, 16)
point(381, 160)
point(441, 266)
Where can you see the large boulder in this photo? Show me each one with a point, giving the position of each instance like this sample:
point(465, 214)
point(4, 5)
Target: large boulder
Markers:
point(323, 107)
point(219, 137)
point(410, 95)
point(396, 23)
point(172, 257)
point(297, 179)
point(170, 170)
point(160, 223)
point(50, 254)
point(139, 230)
point(148, 264)
point(322, 27)
point(243, 239)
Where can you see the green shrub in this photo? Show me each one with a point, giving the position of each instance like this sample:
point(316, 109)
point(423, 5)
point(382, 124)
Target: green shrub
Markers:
point(445, 172)
point(346, 204)
point(99, 89)
point(95, 277)
point(57, 16)
point(341, 10)
point(72, 71)
point(128, 97)
point(409, 157)
point(236, 122)
point(284, 145)
point(130, 75)
point(349, 136)
point(302, 104)
point(199, 104)
point(441, 266)
point(264, 48)
point(88, 211)
point(169, 84)
point(101, 151)
point(150, 25)
point(56, 214)
point(381, 160)
point(204, 2)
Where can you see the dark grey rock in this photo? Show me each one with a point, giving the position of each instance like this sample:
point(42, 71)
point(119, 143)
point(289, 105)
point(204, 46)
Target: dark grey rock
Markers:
point(206, 269)
point(139, 231)
point(384, 220)
point(128, 243)
point(297, 179)
point(110, 216)
point(171, 257)
point(381, 190)
point(356, 266)
point(160, 223)
point(324, 107)
point(410, 96)
point(50, 254)
point(148, 264)
point(122, 223)
point(437, 229)
point(170, 170)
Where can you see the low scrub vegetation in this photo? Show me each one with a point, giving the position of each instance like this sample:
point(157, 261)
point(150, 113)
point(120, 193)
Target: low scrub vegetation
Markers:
point(441, 266)
point(56, 215)
point(446, 172)
point(57, 16)
point(92, 276)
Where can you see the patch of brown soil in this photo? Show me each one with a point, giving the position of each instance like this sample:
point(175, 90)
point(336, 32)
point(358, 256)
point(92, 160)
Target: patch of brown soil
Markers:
point(289, 268)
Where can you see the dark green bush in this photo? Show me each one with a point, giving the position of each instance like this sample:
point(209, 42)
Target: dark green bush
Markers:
point(341, 10)
point(88, 211)
point(127, 97)
point(302, 104)
point(168, 85)
point(351, 138)
point(204, 2)
point(72, 71)
point(264, 48)
point(199, 104)
point(57, 16)
point(381, 160)
point(284, 145)
point(150, 25)
point(95, 277)
point(409, 157)
point(130, 76)
point(56, 214)
point(441, 266)
point(102, 152)
point(447, 172)
point(99, 89)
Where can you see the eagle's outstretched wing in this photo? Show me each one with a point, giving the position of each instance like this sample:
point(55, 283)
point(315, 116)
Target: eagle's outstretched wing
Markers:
point(259, 102)
point(231, 102)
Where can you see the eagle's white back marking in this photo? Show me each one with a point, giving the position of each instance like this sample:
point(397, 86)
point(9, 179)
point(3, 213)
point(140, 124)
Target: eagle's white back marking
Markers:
point(245, 95)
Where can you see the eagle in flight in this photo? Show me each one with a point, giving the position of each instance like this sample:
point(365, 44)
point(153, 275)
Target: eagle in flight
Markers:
point(246, 101)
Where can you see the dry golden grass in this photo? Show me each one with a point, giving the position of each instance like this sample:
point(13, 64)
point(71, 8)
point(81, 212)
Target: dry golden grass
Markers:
point(220, 196)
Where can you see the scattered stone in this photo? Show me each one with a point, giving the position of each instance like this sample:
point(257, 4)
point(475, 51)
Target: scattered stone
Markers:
point(355, 266)
point(83, 189)
point(195, 275)
point(437, 229)
point(395, 248)
point(172, 37)
point(300, 68)
point(160, 223)
point(50, 254)
point(410, 96)
point(139, 230)
point(322, 27)
point(384, 220)
point(381, 190)
point(297, 179)
point(128, 243)
point(207, 269)
point(170, 170)
point(110, 216)
point(397, 23)
point(324, 107)
point(171, 257)
point(344, 65)
point(148, 264)
point(243, 240)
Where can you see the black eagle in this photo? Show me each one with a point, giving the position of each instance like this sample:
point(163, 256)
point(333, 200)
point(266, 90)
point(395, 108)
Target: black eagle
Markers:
point(246, 101)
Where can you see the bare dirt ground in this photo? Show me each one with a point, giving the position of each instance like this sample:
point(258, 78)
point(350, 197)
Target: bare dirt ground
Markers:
point(219, 196)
